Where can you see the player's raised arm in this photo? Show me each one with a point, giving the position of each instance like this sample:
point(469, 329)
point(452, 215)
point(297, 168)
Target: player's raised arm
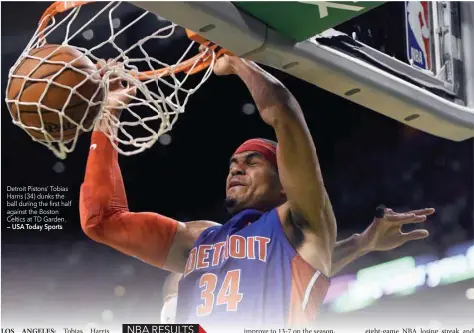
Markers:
point(298, 164)
point(105, 217)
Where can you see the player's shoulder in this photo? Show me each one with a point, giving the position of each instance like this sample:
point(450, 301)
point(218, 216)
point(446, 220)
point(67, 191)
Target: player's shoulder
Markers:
point(197, 228)
point(202, 224)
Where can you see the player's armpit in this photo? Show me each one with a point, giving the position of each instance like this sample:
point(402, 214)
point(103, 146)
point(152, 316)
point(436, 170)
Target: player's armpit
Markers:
point(307, 243)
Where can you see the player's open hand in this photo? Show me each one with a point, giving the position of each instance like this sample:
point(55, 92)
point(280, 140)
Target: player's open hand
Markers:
point(386, 233)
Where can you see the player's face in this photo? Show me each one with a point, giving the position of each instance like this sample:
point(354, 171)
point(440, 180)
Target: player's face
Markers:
point(252, 182)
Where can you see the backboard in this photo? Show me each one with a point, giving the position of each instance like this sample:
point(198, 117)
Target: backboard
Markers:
point(433, 91)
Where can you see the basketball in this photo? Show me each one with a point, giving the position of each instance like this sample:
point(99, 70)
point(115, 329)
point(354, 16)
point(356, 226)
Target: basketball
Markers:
point(67, 92)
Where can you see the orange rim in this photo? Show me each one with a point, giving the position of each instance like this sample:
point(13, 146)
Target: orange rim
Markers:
point(185, 66)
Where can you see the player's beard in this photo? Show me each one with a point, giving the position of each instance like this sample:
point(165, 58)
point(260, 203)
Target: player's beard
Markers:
point(229, 204)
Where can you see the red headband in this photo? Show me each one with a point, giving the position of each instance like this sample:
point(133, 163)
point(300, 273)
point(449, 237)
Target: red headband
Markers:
point(267, 149)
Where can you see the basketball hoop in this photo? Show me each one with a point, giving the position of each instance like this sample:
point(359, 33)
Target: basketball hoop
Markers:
point(162, 93)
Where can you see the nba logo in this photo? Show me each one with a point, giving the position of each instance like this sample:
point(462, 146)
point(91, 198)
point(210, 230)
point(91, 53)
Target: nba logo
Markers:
point(418, 30)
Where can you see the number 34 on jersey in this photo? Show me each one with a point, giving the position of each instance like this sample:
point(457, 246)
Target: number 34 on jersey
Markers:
point(227, 295)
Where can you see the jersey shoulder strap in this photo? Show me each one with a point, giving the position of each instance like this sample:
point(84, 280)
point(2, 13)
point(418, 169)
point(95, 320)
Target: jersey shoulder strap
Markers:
point(205, 234)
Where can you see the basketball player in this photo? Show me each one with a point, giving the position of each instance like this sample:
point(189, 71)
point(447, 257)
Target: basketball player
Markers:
point(269, 264)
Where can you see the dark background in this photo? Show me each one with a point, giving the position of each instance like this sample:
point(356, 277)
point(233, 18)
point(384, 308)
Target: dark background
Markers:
point(366, 160)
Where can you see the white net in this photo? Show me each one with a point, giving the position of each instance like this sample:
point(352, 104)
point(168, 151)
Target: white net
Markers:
point(147, 52)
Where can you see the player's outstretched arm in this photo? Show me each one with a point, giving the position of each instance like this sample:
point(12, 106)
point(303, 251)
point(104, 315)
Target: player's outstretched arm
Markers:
point(105, 217)
point(298, 163)
point(383, 234)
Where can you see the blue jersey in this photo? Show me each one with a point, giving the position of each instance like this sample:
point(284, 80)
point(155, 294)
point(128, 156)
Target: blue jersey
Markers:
point(246, 273)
